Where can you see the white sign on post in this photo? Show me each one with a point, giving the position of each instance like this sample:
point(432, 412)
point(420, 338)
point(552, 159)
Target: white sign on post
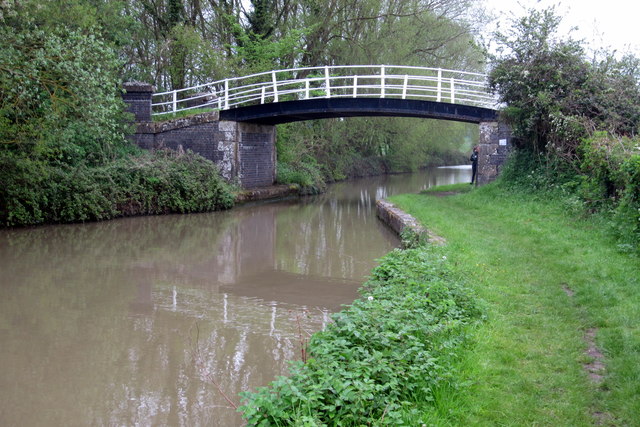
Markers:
point(503, 142)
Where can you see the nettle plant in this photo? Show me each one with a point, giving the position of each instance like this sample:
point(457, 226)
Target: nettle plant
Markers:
point(387, 352)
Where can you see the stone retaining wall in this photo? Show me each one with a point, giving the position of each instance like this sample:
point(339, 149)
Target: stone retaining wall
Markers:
point(398, 220)
point(267, 193)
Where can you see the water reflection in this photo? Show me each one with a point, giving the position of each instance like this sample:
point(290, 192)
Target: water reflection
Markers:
point(132, 322)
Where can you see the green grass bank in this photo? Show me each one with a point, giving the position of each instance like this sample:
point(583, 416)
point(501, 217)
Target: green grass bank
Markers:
point(555, 283)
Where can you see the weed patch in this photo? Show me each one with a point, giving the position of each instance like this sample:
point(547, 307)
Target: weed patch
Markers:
point(388, 353)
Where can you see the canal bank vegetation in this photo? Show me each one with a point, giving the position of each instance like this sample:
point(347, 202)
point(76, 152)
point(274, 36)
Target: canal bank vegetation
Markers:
point(37, 192)
point(552, 247)
point(384, 357)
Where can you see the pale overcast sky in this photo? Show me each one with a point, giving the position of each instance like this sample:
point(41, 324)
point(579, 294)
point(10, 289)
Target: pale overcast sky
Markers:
point(602, 23)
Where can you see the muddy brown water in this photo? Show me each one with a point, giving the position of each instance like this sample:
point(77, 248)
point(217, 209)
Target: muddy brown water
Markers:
point(141, 321)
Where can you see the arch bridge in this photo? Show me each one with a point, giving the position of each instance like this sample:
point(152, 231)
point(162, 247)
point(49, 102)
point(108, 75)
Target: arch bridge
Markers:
point(247, 108)
point(294, 94)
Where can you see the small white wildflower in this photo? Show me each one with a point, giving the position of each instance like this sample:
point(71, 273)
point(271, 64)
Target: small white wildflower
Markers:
point(444, 257)
point(370, 298)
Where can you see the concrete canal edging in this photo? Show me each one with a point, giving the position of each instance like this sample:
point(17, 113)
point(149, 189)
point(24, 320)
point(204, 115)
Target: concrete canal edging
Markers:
point(399, 221)
point(268, 193)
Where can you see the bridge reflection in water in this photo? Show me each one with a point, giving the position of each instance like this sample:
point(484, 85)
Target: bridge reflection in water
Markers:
point(130, 321)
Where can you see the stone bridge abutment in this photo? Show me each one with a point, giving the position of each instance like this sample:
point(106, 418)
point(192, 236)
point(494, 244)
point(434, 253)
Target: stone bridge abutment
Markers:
point(495, 141)
point(244, 152)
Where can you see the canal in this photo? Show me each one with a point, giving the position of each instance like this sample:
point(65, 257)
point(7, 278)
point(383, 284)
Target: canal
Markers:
point(153, 320)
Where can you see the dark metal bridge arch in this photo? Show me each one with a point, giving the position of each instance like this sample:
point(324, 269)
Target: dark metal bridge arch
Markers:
point(323, 108)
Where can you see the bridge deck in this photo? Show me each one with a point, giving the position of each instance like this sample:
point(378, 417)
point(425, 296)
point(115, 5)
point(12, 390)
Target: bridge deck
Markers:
point(323, 108)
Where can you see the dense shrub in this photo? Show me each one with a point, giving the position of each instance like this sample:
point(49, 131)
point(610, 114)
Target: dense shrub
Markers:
point(601, 158)
point(577, 117)
point(22, 195)
point(304, 172)
point(383, 355)
point(351, 164)
point(555, 94)
point(627, 214)
point(59, 98)
point(36, 192)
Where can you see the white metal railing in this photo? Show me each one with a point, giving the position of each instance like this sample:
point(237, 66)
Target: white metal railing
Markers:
point(379, 81)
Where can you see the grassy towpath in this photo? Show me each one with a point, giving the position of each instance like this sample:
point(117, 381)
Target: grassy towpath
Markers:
point(558, 292)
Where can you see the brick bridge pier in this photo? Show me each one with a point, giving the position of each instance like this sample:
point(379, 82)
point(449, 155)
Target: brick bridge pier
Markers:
point(245, 152)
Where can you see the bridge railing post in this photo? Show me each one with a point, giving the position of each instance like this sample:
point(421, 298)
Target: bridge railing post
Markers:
point(404, 86)
point(439, 92)
point(306, 88)
point(174, 102)
point(274, 80)
point(226, 94)
point(382, 81)
point(355, 86)
point(138, 99)
point(327, 82)
point(453, 96)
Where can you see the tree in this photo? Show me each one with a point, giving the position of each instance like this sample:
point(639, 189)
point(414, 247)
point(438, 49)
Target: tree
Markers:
point(556, 97)
point(59, 95)
point(536, 75)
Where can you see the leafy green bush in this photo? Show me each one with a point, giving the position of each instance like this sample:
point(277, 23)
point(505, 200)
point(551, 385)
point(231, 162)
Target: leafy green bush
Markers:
point(36, 192)
point(352, 164)
point(60, 100)
point(305, 173)
point(601, 158)
point(383, 355)
point(627, 213)
point(22, 195)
